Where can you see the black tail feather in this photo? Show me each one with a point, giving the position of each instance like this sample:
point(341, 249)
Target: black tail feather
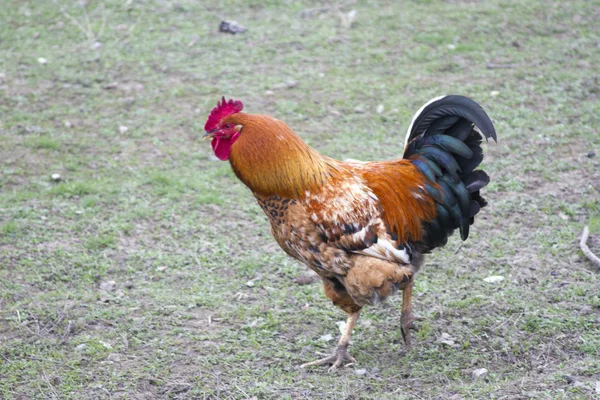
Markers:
point(444, 143)
point(476, 180)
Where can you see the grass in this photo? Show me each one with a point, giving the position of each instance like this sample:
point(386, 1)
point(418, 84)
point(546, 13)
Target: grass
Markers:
point(149, 271)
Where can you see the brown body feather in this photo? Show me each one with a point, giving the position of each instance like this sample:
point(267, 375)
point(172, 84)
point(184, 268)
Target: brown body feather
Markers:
point(404, 209)
point(352, 223)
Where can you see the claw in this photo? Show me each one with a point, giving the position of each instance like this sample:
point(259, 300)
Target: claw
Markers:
point(336, 359)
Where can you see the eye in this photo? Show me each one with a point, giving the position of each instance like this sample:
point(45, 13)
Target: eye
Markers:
point(227, 126)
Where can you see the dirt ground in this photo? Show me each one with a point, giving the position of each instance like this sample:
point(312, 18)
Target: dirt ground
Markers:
point(146, 270)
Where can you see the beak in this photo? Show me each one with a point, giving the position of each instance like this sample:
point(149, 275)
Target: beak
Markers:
point(209, 135)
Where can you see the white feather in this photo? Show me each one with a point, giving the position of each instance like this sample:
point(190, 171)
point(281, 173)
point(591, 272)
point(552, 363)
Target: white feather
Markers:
point(385, 250)
point(417, 114)
point(360, 235)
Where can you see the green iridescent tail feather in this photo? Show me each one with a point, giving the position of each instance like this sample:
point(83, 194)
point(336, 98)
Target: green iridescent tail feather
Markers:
point(444, 143)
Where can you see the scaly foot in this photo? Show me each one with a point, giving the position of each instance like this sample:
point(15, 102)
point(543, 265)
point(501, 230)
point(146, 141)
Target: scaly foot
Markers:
point(406, 320)
point(337, 359)
point(407, 324)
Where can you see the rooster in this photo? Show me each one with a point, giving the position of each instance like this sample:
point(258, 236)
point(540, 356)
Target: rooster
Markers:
point(363, 227)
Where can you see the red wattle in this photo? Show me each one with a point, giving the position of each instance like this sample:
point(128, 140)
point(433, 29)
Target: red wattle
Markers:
point(222, 146)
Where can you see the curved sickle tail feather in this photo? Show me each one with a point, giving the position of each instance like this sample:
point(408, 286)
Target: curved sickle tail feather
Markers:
point(444, 143)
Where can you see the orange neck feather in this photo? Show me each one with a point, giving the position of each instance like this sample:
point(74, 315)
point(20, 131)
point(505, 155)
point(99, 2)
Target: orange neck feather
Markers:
point(272, 160)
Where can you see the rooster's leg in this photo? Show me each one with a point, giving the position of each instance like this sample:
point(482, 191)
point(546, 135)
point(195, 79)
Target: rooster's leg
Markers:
point(406, 320)
point(341, 353)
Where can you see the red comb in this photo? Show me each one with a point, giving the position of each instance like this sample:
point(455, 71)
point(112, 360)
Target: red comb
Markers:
point(223, 109)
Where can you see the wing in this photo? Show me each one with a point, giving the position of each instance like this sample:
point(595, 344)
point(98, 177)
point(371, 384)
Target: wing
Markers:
point(348, 216)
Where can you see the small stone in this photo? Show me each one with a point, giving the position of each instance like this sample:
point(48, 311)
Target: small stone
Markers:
point(359, 110)
point(563, 216)
point(250, 284)
point(56, 177)
point(194, 40)
point(78, 212)
point(81, 347)
point(361, 372)
point(97, 45)
point(478, 373)
point(105, 344)
point(451, 47)
point(68, 124)
point(42, 60)
point(586, 310)
point(494, 279)
point(446, 339)
point(326, 338)
point(347, 20)
point(269, 92)
point(114, 357)
point(380, 109)
point(232, 27)
point(108, 285)
point(494, 93)
point(161, 268)
point(597, 389)
point(112, 85)
point(289, 84)
point(591, 154)
point(305, 279)
point(123, 129)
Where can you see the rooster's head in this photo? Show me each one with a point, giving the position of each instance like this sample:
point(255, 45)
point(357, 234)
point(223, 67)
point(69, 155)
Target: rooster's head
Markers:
point(223, 134)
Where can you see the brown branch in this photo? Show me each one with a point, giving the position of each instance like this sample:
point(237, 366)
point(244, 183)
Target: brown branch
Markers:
point(586, 250)
point(510, 65)
point(310, 12)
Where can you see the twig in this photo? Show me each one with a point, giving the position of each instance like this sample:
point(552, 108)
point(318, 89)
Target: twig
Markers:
point(240, 389)
point(510, 65)
point(177, 387)
point(87, 31)
point(309, 12)
point(50, 385)
point(217, 383)
point(586, 250)
point(34, 358)
point(196, 256)
point(503, 322)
